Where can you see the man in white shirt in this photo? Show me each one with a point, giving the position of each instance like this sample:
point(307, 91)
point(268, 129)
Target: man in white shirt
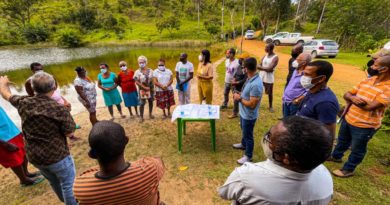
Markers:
point(231, 65)
point(292, 174)
point(184, 73)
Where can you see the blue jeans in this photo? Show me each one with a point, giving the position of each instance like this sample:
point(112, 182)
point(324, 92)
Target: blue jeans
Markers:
point(289, 109)
point(247, 141)
point(61, 177)
point(355, 137)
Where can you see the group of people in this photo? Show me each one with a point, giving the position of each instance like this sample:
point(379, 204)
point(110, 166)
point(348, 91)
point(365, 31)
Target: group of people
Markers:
point(295, 147)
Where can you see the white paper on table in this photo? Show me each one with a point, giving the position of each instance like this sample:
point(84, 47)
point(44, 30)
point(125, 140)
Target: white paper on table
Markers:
point(196, 111)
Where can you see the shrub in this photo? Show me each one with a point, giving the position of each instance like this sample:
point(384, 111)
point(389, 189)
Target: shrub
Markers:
point(168, 23)
point(212, 27)
point(35, 33)
point(69, 38)
point(109, 22)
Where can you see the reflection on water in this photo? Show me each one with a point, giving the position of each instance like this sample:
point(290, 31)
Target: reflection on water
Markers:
point(62, 62)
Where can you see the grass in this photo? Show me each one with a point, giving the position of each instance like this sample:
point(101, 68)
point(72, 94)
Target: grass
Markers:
point(343, 57)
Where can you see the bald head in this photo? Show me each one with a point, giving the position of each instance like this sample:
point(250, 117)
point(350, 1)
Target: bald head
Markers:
point(384, 61)
point(303, 59)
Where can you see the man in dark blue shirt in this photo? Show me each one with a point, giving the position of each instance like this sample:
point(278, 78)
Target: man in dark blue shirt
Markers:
point(320, 103)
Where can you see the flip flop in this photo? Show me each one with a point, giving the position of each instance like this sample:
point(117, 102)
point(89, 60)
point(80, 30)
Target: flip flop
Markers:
point(34, 174)
point(342, 173)
point(36, 181)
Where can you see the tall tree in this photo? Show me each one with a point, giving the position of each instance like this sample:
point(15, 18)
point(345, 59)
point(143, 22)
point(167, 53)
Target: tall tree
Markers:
point(17, 12)
point(322, 15)
point(265, 12)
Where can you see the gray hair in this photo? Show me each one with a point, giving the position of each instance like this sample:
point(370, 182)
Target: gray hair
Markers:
point(43, 83)
point(143, 58)
point(306, 57)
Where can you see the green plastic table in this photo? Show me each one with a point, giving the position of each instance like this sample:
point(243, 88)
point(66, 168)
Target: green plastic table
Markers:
point(181, 129)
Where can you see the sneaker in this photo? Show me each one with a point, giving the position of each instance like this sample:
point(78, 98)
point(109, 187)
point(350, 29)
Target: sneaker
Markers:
point(331, 159)
point(244, 159)
point(238, 146)
point(342, 173)
point(232, 116)
point(385, 162)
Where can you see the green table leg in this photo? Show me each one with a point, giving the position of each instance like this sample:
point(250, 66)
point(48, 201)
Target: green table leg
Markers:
point(184, 127)
point(179, 132)
point(212, 124)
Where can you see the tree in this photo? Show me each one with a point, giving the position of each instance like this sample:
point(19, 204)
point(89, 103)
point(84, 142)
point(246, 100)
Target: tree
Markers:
point(18, 12)
point(212, 27)
point(322, 15)
point(266, 13)
point(169, 23)
point(282, 7)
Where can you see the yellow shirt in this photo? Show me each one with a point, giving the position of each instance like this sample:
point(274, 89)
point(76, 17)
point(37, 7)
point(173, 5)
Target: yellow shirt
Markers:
point(205, 71)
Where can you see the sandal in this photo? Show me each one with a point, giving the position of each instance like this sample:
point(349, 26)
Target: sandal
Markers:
point(34, 174)
point(35, 182)
point(342, 173)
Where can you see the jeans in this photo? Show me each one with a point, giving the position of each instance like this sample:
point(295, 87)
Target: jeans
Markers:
point(355, 137)
point(247, 141)
point(289, 109)
point(61, 176)
point(236, 106)
point(226, 92)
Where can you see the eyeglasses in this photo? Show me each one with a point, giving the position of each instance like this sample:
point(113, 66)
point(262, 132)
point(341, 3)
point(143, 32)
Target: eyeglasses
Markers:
point(267, 137)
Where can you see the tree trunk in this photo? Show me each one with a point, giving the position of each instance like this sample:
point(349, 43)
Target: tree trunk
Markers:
point(242, 26)
point(320, 20)
point(223, 7)
point(296, 15)
point(198, 17)
point(232, 22)
point(277, 21)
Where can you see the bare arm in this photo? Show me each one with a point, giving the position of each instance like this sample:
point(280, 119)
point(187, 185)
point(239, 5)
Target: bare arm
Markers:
point(251, 103)
point(272, 66)
point(29, 88)
point(188, 79)
point(4, 89)
point(79, 91)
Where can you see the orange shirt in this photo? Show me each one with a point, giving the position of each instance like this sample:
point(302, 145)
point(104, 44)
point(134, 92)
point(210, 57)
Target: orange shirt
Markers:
point(369, 91)
point(137, 185)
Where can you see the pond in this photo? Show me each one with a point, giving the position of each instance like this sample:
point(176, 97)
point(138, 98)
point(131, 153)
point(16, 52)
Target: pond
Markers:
point(62, 62)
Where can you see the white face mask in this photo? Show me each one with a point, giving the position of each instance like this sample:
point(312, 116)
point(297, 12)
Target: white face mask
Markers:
point(103, 70)
point(267, 151)
point(295, 64)
point(200, 57)
point(124, 68)
point(306, 82)
point(161, 68)
point(142, 65)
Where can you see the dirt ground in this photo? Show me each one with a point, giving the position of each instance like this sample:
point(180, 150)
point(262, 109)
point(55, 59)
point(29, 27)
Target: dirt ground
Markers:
point(157, 137)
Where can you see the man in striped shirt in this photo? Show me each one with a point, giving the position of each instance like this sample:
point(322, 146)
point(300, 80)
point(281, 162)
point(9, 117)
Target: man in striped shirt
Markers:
point(369, 100)
point(116, 181)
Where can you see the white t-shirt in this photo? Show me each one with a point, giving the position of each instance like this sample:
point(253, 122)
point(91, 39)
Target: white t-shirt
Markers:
point(184, 70)
point(163, 77)
point(268, 183)
point(144, 79)
point(267, 77)
point(231, 69)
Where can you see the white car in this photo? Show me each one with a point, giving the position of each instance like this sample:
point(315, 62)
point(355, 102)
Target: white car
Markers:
point(287, 38)
point(249, 34)
point(321, 47)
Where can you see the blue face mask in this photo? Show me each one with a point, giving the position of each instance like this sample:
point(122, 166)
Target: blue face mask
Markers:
point(103, 70)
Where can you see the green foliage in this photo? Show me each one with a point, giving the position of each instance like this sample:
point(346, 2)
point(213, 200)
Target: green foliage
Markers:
point(212, 27)
point(85, 17)
point(386, 121)
point(17, 12)
point(169, 23)
point(35, 33)
point(69, 38)
point(255, 21)
point(109, 22)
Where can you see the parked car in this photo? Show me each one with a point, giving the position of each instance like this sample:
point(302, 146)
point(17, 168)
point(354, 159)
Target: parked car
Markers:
point(321, 47)
point(287, 38)
point(249, 34)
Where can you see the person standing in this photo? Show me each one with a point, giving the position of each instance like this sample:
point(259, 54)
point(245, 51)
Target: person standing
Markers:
point(144, 79)
point(320, 103)
point(239, 79)
point(163, 79)
point(293, 173)
point(205, 76)
point(231, 65)
point(46, 125)
point(295, 52)
point(249, 99)
point(369, 100)
point(12, 152)
point(129, 91)
point(86, 91)
point(184, 73)
point(294, 92)
point(267, 72)
point(107, 81)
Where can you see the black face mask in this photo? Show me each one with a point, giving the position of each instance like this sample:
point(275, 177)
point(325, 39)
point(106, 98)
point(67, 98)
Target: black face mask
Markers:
point(240, 62)
point(294, 55)
point(372, 72)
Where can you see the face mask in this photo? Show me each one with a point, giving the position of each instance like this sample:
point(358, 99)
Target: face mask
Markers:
point(38, 71)
point(240, 61)
point(373, 72)
point(123, 68)
point(306, 82)
point(200, 57)
point(142, 65)
point(267, 151)
point(161, 67)
point(103, 70)
point(295, 64)
point(294, 55)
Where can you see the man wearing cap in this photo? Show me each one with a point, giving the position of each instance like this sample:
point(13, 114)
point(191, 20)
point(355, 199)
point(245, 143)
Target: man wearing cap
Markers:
point(238, 81)
point(231, 65)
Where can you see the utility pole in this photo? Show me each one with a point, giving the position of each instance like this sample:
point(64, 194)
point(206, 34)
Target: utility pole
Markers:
point(223, 5)
point(320, 20)
point(242, 27)
point(296, 14)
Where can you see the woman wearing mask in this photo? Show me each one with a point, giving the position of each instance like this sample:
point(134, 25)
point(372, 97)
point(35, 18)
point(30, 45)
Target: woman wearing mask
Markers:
point(144, 79)
point(162, 79)
point(87, 93)
point(107, 82)
point(129, 91)
point(205, 78)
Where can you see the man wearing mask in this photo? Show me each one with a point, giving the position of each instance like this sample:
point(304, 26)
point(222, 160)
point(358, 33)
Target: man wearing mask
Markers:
point(293, 173)
point(184, 73)
point(267, 74)
point(296, 50)
point(231, 65)
point(382, 52)
point(294, 92)
point(369, 100)
point(320, 103)
point(238, 81)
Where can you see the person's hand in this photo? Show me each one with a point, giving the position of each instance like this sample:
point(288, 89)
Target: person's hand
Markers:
point(358, 101)
point(11, 147)
point(164, 87)
point(68, 106)
point(4, 81)
point(236, 96)
point(181, 87)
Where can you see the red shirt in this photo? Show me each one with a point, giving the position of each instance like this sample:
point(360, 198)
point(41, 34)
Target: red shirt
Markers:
point(126, 81)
